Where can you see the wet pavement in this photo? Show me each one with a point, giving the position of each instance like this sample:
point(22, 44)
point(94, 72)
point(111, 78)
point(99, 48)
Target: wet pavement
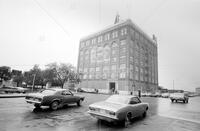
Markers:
point(16, 114)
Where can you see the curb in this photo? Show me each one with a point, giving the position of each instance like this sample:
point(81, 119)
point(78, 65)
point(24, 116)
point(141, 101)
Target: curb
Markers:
point(11, 96)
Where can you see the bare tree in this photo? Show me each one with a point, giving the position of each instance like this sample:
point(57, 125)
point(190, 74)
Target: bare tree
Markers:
point(63, 71)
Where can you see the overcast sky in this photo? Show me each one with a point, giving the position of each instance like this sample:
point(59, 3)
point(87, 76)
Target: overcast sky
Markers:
point(44, 31)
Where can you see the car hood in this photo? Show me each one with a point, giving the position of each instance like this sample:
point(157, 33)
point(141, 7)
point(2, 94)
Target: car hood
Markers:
point(37, 95)
point(108, 106)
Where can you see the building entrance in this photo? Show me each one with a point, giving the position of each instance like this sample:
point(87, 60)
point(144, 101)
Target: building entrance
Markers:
point(112, 87)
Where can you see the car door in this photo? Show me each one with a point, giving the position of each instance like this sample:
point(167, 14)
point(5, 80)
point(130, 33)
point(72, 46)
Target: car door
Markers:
point(67, 97)
point(135, 106)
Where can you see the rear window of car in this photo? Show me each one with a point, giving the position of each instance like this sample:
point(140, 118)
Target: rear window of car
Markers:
point(118, 99)
point(48, 92)
point(178, 94)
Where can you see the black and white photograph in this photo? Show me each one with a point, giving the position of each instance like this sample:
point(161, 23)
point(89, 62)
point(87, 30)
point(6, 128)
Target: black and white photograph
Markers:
point(99, 65)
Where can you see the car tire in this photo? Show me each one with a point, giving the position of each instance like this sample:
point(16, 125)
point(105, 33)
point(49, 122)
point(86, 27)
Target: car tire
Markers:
point(144, 114)
point(172, 100)
point(127, 120)
point(54, 105)
point(79, 103)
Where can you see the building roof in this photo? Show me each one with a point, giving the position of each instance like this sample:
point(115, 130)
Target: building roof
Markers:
point(117, 25)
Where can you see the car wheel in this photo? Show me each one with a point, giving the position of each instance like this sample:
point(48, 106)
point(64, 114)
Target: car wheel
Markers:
point(127, 120)
point(144, 114)
point(79, 103)
point(184, 101)
point(54, 105)
point(172, 100)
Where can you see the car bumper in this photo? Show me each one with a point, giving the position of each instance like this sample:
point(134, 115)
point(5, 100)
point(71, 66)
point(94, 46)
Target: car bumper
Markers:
point(103, 116)
point(178, 99)
point(33, 102)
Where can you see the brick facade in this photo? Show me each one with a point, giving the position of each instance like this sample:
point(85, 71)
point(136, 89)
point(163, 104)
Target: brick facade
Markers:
point(119, 58)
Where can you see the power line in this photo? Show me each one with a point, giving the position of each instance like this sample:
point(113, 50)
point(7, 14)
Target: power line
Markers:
point(48, 14)
point(154, 10)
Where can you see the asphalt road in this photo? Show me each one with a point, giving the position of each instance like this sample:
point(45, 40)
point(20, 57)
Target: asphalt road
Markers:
point(16, 114)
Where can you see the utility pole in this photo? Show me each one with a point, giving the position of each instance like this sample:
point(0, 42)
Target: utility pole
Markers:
point(33, 81)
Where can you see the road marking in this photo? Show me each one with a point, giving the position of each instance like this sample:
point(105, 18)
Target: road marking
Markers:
point(180, 118)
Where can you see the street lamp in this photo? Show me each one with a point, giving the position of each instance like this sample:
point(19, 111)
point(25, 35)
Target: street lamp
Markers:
point(33, 81)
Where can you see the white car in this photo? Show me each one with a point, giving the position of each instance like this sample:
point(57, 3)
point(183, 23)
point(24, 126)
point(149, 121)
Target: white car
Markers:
point(119, 108)
point(165, 95)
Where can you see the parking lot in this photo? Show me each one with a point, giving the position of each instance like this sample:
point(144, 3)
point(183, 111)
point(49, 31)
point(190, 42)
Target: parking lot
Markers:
point(16, 114)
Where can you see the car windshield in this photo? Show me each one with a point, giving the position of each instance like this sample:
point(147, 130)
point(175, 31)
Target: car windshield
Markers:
point(118, 99)
point(48, 92)
point(178, 94)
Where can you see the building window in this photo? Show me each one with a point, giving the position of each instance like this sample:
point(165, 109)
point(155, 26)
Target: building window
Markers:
point(82, 44)
point(93, 56)
point(123, 42)
point(85, 76)
point(131, 71)
point(123, 31)
point(122, 59)
point(107, 37)
point(105, 72)
point(97, 69)
point(114, 44)
point(85, 72)
point(115, 34)
point(114, 71)
point(122, 68)
point(137, 35)
point(93, 41)
point(131, 51)
point(98, 75)
point(92, 73)
point(123, 51)
point(131, 59)
point(100, 39)
point(114, 60)
point(106, 53)
point(122, 75)
point(132, 33)
point(99, 55)
point(136, 76)
point(114, 52)
point(86, 56)
point(87, 43)
point(113, 75)
point(113, 67)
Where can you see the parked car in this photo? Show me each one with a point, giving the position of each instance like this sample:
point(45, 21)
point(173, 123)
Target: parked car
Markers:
point(8, 89)
point(179, 97)
point(54, 98)
point(21, 89)
point(165, 95)
point(119, 108)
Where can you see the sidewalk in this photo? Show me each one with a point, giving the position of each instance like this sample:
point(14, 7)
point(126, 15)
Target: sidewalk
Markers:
point(12, 95)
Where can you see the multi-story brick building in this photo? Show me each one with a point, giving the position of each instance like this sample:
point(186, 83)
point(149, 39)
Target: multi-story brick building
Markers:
point(119, 58)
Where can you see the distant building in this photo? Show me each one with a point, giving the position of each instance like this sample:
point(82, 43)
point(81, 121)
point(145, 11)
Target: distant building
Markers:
point(121, 58)
point(197, 90)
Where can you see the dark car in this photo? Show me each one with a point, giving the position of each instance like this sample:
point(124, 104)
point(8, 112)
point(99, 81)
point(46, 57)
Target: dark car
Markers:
point(54, 98)
point(179, 97)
